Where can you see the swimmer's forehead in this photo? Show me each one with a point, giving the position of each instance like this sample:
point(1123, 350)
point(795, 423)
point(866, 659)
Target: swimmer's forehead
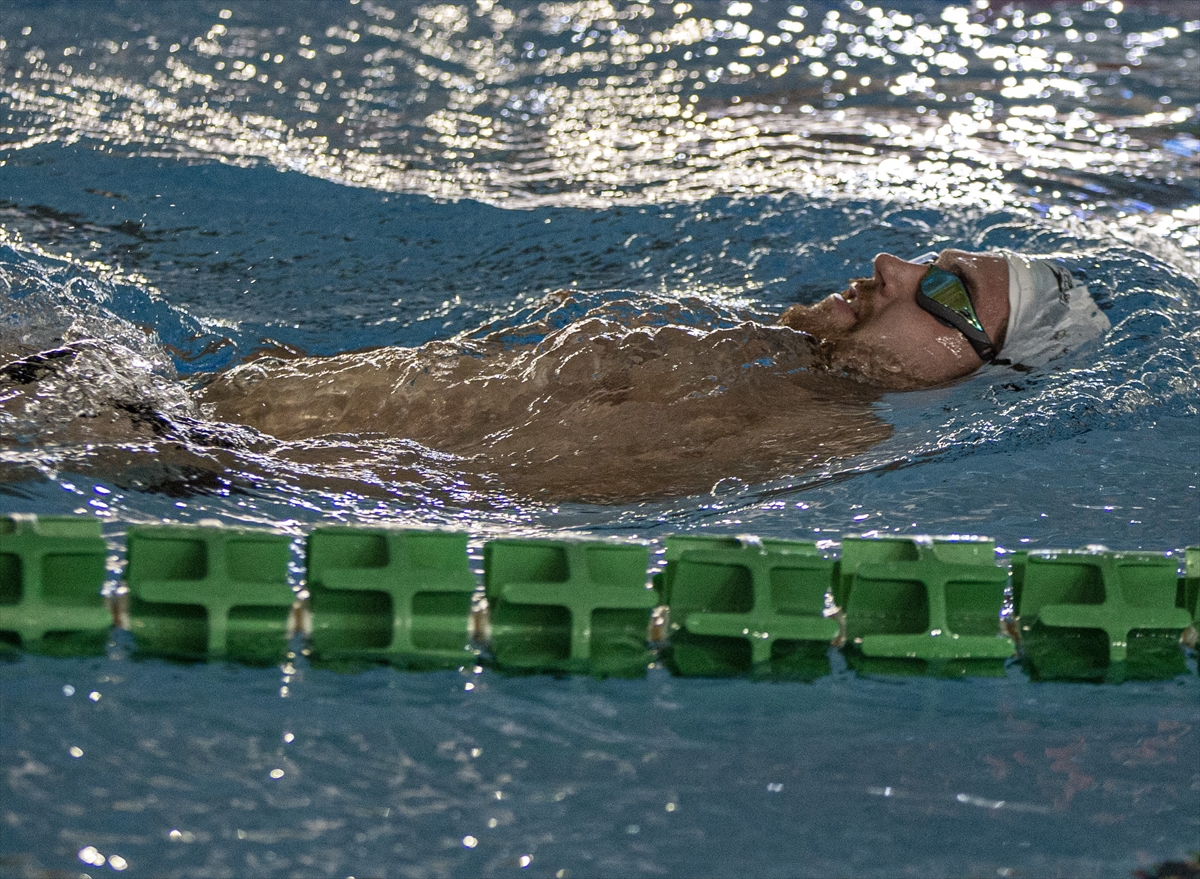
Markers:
point(933, 256)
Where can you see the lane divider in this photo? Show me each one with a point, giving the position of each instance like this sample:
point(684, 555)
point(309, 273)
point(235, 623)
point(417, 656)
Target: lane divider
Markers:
point(52, 571)
point(208, 591)
point(706, 606)
point(375, 594)
point(1090, 612)
point(938, 603)
point(561, 606)
point(740, 606)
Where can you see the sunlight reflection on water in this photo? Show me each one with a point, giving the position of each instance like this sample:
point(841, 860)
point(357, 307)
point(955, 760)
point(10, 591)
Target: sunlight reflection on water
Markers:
point(592, 104)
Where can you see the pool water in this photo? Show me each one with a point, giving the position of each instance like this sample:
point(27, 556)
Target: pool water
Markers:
point(193, 187)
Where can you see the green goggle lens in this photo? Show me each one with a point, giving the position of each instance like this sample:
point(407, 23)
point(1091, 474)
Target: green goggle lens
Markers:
point(948, 290)
point(944, 295)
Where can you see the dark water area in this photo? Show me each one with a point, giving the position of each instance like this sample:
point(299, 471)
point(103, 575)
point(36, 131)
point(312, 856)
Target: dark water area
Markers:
point(187, 189)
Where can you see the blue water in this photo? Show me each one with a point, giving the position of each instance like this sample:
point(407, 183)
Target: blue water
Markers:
point(405, 174)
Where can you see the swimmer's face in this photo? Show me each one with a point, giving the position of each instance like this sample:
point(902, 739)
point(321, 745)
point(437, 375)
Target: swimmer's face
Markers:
point(876, 328)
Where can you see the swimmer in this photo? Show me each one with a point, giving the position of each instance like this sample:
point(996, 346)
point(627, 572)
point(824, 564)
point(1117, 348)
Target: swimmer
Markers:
point(924, 322)
point(608, 407)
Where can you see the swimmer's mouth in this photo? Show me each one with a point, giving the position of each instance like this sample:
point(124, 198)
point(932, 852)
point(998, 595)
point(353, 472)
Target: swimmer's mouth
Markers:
point(850, 298)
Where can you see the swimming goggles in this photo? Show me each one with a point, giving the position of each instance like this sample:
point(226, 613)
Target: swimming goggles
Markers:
point(944, 295)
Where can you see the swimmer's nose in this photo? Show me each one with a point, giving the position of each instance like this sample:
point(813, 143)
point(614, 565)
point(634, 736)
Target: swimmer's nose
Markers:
point(898, 277)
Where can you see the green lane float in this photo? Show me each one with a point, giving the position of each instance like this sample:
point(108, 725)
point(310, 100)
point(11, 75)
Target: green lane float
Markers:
point(52, 569)
point(569, 605)
point(932, 604)
point(742, 606)
point(1099, 615)
point(390, 595)
point(707, 606)
point(209, 592)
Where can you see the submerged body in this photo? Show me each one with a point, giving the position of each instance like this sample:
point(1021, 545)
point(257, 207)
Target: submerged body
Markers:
point(596, 410)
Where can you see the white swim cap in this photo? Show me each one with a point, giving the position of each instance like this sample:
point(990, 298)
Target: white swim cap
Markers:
point(1049, 312)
